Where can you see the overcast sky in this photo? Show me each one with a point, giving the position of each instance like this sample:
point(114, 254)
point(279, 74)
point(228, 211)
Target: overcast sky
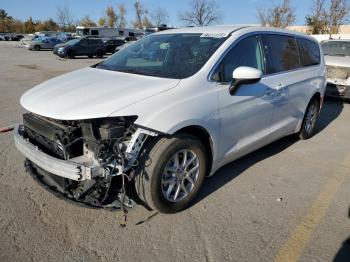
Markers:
point(233, 11)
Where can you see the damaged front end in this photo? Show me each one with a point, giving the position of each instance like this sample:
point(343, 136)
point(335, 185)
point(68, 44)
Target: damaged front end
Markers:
point(338, 81)
point(87, 161)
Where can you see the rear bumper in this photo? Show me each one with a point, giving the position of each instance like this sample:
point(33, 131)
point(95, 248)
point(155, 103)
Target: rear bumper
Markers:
point(64, 168)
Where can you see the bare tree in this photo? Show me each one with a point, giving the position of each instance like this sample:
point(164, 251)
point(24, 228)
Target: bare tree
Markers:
point(141, 16)
point(329, 20)
point(87, 21)
point(159, 16)
point(111, 16)
point(337, 15)
point(64, 17)
point(4, 15)
point(281, 15)
point(202, 13)
point(317, 21)
point(121, 23)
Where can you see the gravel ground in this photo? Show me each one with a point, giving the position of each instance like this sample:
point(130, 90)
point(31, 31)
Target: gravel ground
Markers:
point(246, 212)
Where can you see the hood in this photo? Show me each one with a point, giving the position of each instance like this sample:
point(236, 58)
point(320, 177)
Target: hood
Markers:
point(60, 45)
point(91, 93)
point(343, 61)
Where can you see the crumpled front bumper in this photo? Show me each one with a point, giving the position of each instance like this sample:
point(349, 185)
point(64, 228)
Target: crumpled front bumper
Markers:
point(76, 168)
point(337, 90)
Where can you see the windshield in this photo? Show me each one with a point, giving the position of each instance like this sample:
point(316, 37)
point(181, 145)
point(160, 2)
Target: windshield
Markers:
point(73, 42)
point(167, 55)
point(39, 38)
point(336, 48)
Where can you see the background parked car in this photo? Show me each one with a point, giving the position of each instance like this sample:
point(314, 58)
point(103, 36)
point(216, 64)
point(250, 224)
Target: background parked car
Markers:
point(64, 37)
point(118, 48)
point(86, 46)
point(2, 36)
point(14, 37)
point(46, 43)
point(337, 57)
point(27, 39)
point(112, 44)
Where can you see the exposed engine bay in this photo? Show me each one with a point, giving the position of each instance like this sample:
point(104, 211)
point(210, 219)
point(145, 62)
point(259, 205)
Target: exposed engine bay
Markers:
point(109, 149)
point(338, 81)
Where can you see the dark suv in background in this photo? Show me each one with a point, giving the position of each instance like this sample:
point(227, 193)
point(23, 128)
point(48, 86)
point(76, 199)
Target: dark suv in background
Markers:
point(86, 46)
point(112, 44)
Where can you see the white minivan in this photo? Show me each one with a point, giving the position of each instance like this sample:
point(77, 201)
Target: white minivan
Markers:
point(168, 110)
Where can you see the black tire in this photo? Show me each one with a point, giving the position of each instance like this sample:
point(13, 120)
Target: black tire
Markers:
point(99, 54)
point(90, 56)
point(70, 54)
point(148, 182)
point(308, 126)
point(37, 48)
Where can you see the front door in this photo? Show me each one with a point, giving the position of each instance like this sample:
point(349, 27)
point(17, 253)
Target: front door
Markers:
point(245, 116)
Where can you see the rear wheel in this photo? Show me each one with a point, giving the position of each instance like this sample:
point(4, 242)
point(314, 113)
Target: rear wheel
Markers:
point(310, 119)
point(37, 48)
point(172, 173)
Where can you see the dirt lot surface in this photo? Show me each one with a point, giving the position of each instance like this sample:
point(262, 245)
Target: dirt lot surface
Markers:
point(287, 201)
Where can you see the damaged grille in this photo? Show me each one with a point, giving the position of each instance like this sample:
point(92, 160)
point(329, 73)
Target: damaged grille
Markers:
point(106, 148)
point(53, 136)
point(338, 72)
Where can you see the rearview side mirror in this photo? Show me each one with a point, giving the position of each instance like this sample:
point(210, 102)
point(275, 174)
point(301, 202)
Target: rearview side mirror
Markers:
point(244, 75)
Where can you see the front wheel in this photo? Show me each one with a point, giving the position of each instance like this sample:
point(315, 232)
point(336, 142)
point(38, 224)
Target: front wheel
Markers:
point(37, 48)
point(171, 173)
point(70, 54)
point(99, 54)
point(310, 119)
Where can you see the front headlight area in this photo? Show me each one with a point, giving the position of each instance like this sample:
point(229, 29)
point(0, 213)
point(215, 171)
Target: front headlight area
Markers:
point(112, 144)
point(60, 50)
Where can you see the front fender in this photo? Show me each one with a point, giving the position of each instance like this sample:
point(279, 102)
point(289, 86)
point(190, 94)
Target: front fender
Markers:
point(178, 108)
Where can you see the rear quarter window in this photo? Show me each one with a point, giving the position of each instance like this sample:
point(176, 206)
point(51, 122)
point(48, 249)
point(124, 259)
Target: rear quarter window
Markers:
point(281, 53)
point(309, 52)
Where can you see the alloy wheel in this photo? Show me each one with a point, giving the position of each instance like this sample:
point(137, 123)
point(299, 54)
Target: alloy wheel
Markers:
point(180, 175)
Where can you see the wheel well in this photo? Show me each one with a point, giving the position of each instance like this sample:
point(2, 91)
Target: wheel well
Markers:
point(317, 96)
point(203, 136)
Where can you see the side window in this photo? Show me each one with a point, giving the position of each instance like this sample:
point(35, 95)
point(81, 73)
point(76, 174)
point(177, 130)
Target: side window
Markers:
point(84, 42)
point(309, 52)
point(94, 32)
point(247, 52)
point(86, 31)
point(93, 42)
point(281, 53)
